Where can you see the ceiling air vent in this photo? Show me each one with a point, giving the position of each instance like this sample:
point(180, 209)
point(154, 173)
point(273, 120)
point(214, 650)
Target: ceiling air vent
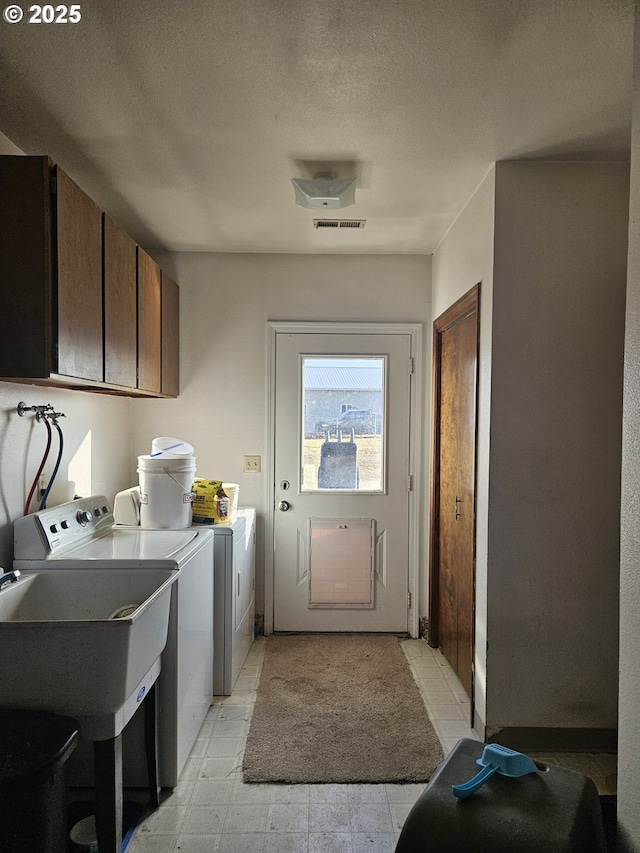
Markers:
point(339, 223)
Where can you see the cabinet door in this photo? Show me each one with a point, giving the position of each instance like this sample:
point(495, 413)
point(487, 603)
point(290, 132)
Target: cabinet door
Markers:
point(26, 296)
point(170, 336)
point(79, 228)
point(149, 323)
point(120, 306)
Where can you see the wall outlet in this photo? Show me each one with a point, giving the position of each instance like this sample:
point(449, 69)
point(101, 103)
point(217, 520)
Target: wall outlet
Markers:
point(252, 464)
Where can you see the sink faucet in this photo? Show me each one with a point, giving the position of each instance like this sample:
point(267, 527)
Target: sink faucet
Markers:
point(9, 577)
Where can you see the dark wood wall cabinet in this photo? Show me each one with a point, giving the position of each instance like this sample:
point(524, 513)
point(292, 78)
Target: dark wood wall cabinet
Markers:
point(82, 306)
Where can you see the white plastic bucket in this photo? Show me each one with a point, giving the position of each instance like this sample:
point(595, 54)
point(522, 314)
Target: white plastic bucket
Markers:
point(169, 448)
point(166, 492)
point(232, 491)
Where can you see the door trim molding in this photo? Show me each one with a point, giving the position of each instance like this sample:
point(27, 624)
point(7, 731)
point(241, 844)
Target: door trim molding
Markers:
point(416, 404)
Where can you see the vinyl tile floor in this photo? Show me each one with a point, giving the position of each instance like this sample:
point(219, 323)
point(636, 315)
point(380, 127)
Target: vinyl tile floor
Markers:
point(213, 811)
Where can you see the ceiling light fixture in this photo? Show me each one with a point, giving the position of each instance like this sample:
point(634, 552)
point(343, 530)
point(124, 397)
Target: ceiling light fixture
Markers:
point(325, 193)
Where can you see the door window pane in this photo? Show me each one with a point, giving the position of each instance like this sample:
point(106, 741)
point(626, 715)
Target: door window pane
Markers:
point(343, 428)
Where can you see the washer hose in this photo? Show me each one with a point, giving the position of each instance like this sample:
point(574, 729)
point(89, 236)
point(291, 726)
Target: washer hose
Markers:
point(43, 500)
point(40, 469)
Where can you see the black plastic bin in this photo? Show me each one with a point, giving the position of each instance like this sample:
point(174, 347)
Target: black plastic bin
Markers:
point(34, 747)
point(338, 465)
point(553, 811)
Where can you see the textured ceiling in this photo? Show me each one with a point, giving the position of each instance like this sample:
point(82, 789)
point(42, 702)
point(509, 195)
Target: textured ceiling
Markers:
point(187, 120)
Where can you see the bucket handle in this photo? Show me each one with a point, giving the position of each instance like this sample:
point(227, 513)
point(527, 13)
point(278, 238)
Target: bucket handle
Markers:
point(177, 483)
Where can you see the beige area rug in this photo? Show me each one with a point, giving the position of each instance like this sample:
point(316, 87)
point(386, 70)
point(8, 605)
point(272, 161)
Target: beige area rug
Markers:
point(338, 708)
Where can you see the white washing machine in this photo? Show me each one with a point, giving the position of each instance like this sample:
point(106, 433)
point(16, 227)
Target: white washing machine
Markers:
point(80, 534)
point(233, 597)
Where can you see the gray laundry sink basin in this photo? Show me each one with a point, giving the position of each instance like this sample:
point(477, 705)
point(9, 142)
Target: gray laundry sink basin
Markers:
point(62, 650)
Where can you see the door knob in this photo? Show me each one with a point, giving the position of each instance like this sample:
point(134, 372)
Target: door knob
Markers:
point(283, 506)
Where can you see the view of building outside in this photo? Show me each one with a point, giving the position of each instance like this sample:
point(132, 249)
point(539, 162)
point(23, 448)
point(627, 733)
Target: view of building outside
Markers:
point(343, 423)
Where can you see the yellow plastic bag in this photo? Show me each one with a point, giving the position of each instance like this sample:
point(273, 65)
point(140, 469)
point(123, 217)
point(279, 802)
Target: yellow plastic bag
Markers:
point(210, 504)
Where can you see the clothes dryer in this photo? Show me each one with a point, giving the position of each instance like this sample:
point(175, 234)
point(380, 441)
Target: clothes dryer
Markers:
point(233, 597)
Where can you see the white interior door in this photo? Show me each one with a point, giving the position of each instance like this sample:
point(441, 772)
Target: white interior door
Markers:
point(342, 482)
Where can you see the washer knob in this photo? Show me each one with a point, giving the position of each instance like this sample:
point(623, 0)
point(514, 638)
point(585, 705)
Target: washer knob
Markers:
point(83, 517)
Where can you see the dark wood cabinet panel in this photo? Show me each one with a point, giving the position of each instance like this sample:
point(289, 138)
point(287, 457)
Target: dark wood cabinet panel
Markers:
point(170, 336)
point(149, 323)
point(26, 287)
point(79, 250)
point(120, 306)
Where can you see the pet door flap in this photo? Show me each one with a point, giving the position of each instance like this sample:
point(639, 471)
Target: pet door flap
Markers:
point(341, 562)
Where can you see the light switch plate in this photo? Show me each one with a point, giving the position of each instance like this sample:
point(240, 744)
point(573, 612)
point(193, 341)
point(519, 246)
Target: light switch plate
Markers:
point(252, 464)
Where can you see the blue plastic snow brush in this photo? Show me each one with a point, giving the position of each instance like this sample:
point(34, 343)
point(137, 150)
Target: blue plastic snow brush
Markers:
point(495, 759)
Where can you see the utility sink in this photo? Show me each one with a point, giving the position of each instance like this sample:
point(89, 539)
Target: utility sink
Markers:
point(62, 649)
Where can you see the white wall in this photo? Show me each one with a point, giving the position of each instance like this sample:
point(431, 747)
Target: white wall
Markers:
point(225, 303)
point(96, 450)
point(547, 243)
point(557, 356)
point(629, 714)
point(464, 258)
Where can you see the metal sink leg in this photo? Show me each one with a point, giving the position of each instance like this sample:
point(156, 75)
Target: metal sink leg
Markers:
point(107, 759)
point(151, 713)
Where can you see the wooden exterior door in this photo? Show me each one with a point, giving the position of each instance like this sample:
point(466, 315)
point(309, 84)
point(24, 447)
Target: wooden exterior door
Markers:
point(452, 579)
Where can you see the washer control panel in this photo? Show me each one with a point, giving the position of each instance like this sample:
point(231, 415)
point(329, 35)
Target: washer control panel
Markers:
point(49, 531)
